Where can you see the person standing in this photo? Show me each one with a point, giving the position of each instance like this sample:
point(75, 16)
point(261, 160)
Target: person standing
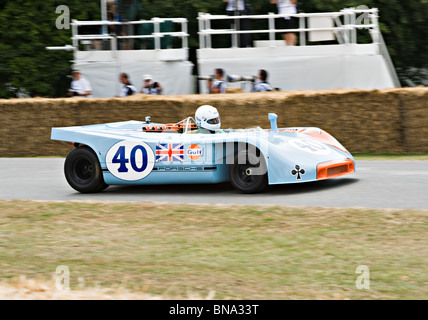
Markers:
point(128, 89)
point(262, 84)
point(287, 7)
point(129, 11)
point(217, 85)
point(150, 86)
point(240, 8)
point(80, 87)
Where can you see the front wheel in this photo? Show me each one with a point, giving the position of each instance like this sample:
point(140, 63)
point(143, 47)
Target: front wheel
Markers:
point(83, 171)
point(249, 176)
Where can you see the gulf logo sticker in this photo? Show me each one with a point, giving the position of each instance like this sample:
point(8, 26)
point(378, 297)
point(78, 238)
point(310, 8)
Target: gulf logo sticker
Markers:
point(194, 152)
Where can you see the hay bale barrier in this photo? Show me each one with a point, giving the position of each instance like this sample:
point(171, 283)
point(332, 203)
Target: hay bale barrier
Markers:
point(368, 121)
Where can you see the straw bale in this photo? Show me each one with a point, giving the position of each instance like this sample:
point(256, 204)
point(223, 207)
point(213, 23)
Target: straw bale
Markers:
point(380, 121)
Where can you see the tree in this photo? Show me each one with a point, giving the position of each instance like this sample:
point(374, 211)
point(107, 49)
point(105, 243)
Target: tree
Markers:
point(27, 28)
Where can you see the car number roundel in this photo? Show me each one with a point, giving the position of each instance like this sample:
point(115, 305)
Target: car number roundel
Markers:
point(130, 160)
point(310, 146)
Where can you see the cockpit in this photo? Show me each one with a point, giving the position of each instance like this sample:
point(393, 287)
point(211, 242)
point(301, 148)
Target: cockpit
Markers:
point(184, 126)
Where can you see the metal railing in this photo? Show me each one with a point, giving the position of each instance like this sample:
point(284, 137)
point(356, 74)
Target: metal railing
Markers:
point(345, 26)
point(157, 34)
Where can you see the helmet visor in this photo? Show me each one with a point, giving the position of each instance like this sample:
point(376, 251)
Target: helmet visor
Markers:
point(214, 121)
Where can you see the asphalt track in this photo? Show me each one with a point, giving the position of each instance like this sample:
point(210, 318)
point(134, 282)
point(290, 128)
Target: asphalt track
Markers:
point(377, 184)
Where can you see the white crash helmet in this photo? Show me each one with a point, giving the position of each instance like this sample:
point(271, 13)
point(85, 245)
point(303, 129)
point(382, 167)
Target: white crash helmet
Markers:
point(207, 117)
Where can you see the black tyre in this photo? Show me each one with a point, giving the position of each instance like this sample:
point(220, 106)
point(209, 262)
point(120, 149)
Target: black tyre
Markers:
point(83, 171)
point(242, 176)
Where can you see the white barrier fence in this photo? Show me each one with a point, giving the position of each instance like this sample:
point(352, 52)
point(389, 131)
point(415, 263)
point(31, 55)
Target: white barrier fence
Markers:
point(341, 26)
point(157, 35)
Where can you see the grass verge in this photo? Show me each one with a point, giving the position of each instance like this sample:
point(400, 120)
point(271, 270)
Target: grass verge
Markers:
point(236, 252)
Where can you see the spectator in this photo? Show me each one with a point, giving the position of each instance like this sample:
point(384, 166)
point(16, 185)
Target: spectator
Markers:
point(128, 89)
point(113, 16)
point(262, 84)
point(114, 30)
point(240, 8)
point(80, 87)
point(128, 10)
point(217, 85)
point(287, 7)
point(151, 87)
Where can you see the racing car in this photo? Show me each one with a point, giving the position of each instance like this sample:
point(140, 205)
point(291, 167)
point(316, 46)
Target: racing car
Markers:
point(147, 153)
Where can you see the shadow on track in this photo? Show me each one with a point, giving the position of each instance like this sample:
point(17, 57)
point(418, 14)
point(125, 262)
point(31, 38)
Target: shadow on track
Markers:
point(226, 188)
point(309, 187)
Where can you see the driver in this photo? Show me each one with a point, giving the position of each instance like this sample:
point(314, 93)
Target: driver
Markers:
point(207, 119)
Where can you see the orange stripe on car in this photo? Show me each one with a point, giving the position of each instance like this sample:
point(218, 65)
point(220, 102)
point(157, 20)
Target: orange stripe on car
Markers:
point(324, 137)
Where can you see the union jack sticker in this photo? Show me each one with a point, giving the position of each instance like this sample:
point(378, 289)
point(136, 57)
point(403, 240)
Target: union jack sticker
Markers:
point(169, 152)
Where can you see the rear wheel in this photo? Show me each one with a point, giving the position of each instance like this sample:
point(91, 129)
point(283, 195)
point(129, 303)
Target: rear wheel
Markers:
point(83, 171)
point(250, 176)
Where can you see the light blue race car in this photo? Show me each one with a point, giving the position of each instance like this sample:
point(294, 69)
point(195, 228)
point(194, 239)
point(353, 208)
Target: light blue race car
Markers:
point(143, 152)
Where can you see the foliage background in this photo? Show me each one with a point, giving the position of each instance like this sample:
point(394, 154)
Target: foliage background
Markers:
point(29, 26)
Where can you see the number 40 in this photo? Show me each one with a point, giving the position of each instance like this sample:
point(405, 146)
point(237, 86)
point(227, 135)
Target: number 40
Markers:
point(120, 158)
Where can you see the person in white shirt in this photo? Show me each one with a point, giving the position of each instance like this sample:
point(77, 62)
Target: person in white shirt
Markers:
point(287, 7)
point(151, 87)
point(128, 89)
point(235, 5)
point(80, 87)
point(262, 84)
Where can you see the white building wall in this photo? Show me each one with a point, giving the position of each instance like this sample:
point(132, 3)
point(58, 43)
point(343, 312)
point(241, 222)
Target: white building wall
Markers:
point(302, 68)
point(102, 69)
